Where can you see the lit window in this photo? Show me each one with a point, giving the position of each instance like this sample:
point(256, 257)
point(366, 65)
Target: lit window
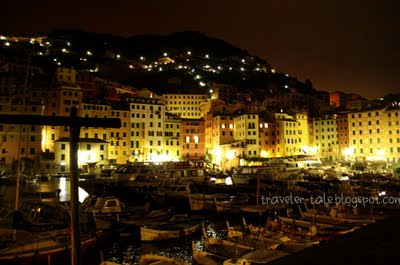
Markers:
point(196, 139)
point(187, 139)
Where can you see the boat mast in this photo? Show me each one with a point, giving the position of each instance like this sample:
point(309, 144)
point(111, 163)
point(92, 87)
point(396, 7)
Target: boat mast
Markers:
point(19, 165)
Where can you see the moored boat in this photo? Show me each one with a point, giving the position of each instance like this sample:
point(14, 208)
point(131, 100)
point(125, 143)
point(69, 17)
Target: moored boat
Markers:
point(202, 202)
point(206, 258)
point(169, 230)
point(39, 247)
point(150, 259)
point(225, 248)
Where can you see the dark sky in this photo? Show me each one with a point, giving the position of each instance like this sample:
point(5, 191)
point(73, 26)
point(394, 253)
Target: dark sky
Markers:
point(353, 46)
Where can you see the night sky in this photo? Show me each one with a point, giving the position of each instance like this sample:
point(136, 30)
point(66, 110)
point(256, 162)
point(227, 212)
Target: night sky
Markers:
point(352, 47)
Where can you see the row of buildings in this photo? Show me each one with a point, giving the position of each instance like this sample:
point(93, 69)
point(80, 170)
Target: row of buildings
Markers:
point(175, 127)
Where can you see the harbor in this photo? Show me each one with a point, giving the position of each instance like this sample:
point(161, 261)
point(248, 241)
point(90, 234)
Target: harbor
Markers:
point(194, 215)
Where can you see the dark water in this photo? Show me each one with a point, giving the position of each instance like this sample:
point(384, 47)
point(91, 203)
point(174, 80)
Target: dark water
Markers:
point(128, 251)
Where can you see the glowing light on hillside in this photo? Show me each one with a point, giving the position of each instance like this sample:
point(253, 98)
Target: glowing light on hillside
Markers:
point(118, 56)
point(64, 50)
point(2, 37)
point(189, 53)
point(160, 69)
point(287, 75)
point(219, 67)
point(7, 43)
point(202, 84)
point(141, 58)
point(165, 54)
point(197, 77)
point(89, 53)
point(131, 66)
point(206, 66)
point(68, 43)
point(230, 68)
point(207, 56)
point(211, 91)
point(286, 86)
point(241, 69)
point(243, 61)
point(273, 71)
point(257, 69)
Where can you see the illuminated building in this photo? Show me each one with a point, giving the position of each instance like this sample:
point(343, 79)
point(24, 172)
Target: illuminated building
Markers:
point(343, 132)
point(375, 134)
point(267, 139)
point(147, 126)
point(193, 139)
point(92, 154)
point(185, 105)
point(119, 139)
point(291, 134)
point(172, 137)
point(246, 131)
point(325, 137)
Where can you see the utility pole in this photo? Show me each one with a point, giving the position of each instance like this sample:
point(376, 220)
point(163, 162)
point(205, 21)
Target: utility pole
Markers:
point(75, 123)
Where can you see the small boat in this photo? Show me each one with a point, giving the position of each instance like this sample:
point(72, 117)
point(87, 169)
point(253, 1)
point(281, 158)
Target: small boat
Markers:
point(334, 218)
point(202, 202)
point(169, 230)
point(150, 259)
point(225, 248)
point(318, 228)
point(206, 258)
point(263, 256)
point(260, 236)
point(40, 246)
point(233, 205)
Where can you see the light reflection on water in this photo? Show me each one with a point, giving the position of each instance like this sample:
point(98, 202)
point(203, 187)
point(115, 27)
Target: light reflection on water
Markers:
point(128, 252)
point(36, 187)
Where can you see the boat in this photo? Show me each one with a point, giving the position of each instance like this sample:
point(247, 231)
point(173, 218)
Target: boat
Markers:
point(38, 247)
point(109, 213)
point(233, 205)
point(317, 228)
point(206, 258)
point(263, 256)
point(202, 202)
point(224, 248)
point(150, 259)
point(169, 230)
point(334, 217)
point(261, 236)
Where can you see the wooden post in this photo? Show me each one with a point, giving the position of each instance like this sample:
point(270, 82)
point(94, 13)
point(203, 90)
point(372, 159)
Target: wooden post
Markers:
point(74, 195)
